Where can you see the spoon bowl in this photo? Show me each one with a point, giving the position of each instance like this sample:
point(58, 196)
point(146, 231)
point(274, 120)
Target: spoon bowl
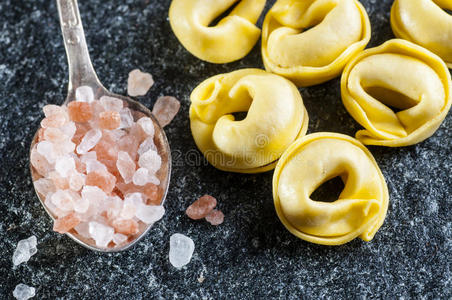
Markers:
point(81, 73)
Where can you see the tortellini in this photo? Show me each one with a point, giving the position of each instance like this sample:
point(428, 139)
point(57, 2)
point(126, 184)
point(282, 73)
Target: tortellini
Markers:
point(425, 23)
point(275, 117)
point(310, 41)
point(402, 75)
point(314, 159)
point(231, 39)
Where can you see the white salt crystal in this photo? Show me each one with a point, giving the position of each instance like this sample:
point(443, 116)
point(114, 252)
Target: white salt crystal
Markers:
point(153, 179)
point(114, 208)
point(131, 203)
point(63, 200)
point(150, 160)
point(64, 147)
point(89, 155)
point(84, 94)
point(181, 250)
point(69, 129)
point(44, 186)
point(94, 165)
point(126, 118)
point(64, 165)
point(139, 83)
point(142, 177)
point(52, 109)
point(24, 292)
point(83, 229)
point(53, 209)
point(165, 109)
point(81, 204)
point(150, 214)
point(76, 181)
point(126, 166)
point(24, 250)
point(93, 193)
point(147, 125)
point(146, 145)
point(111, 104)
point(101, 233)
point(90, 140)
point(119, 239)
point(45, 148)
point(40, 163)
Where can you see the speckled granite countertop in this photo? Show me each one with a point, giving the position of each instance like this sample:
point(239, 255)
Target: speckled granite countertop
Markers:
point(251, 255)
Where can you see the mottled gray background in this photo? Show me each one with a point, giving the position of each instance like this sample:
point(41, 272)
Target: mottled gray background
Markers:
point(251, 255)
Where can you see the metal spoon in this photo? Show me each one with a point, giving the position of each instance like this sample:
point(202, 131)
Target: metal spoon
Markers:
point(81, 73)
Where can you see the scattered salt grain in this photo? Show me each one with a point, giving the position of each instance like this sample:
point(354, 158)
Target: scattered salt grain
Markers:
point(24, 292)
point(84, 94)
point(90, 140)
point(150, 214)
point(201, 207)
point(181, 250)
point(25, 250)
point(215, 217)
point(139, 83)
point(165, 109)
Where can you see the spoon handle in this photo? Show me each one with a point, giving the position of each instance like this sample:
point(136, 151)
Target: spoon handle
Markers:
point(81, 71)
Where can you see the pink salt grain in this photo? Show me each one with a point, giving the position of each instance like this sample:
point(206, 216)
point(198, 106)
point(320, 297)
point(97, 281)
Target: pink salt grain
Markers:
point(56, 120)
point(66, 223)
point(126, 166)
point(215, 217)
point(102, 179)
point(80, 111)
point(165, 109)
point(201, 207)
point(109, 120)
point(127, 227)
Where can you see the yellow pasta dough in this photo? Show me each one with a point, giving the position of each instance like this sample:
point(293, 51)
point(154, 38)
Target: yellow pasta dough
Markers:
point(231, 39)
point(424, 22)
point(402, 75)
point(314, 159)
point(275, 117)
point(310, 41)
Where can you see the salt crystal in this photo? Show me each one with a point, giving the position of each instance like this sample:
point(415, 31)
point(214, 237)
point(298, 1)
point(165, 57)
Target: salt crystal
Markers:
point(52, 207)
point(40, 163)
point(93, 193)
point(88, 156)
point(80, 111)
point(126, 166)
point(25, 250)
point(129, 144)
point(147, 125)
point(128, 227)
point(114, 208)
point(69, 129)
point(150, 214)
point(139, 83)
point(44, 186)
point(101, 233)
point(110, 103)
point(119, 239)
point(181, 250)
point(215, 217)
point(76, 181)
point(151, 161)
point(52, 109)
point(94, 165)
point(56, 120)
point(84, 94)
point(54, 135)
point(24, 292)
point(201, 207)
point(109, 120)
point(45, 148)
point(83, 229)
point(61, 183)
point(64, 147)
point(117, 134)
point(101, 179)
point(146, 145)
point(81, 205)
point(141, 176)
point(126, 118)
point(90, 140)
point(165, 109)
point(63, 200)
point(64, 165)
point(66, 223)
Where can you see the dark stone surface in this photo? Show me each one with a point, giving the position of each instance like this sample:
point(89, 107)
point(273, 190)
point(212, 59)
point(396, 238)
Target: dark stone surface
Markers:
point(251, 255)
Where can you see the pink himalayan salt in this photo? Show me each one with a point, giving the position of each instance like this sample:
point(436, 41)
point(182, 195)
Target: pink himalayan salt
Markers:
point(112, 104)
point(81, 130)
point(129, 144)
point(151, 192)
point(63, 200)
point(61, 183)
point(201, 207)
point(51, 109)
point(106, 148)
point(54, 135)
point(165, 109)
point(44, 186)
point(151, 161)
point(90, 140)
point(126, 166)
point(147, 125)
point(80, 111)
point(76, 181)
point(66, 223)
point(139, 83)
point(215, 217)
point(56, 120)
point(119, 238)
point(109, 120)
point(126, 118)
point(40, 163)
point(127, 227)
point(101, 179)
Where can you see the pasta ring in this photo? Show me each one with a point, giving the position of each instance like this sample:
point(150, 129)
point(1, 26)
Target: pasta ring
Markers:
point(231, 39)
point(312, 160)
point(276, 116)
point(340, 29)
point(425, 23)
point(402, 75)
